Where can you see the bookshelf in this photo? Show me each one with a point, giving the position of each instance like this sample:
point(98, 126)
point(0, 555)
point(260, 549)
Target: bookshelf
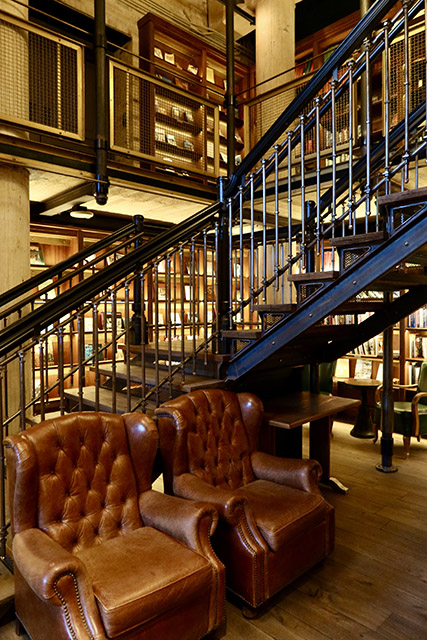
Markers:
point(178, 125)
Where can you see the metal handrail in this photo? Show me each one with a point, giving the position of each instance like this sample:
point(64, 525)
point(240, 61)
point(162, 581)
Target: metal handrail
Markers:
point(57, 269)
point(340, 55)
point(22, 329)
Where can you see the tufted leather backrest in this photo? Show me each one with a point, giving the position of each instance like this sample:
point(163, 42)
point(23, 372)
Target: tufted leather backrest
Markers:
point(73, 477)
point(210, 433)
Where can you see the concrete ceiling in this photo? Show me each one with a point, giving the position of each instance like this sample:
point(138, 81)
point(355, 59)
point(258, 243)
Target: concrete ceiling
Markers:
point(56, 194)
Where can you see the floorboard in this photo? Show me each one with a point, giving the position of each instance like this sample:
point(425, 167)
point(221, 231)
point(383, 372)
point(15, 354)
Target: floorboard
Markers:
point(374, 585)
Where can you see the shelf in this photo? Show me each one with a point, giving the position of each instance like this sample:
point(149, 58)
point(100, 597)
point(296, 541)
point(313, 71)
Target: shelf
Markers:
point(189, 127)
point(177, 151)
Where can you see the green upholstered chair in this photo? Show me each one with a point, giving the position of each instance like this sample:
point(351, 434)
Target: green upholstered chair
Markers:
point(326, 377)
point(410, 416)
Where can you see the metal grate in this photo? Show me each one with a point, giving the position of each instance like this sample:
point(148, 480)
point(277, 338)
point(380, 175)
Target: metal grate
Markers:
point(49, 74)
point(351, 255)
point(417, 75)
point(271, 318)
point(152, 121)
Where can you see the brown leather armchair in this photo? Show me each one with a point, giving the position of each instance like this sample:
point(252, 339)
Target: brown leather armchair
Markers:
point(98, 554)
point(274, 523)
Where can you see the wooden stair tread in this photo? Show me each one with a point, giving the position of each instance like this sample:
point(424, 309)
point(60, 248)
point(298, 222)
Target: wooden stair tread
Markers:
point(244, 334)
point(176, 352)
point(275, 308)
point(361, 239)
point(314, 276)
point(359, 306)
point(106, 400)
point(49, 415)
point(418, 257)
point(401, 279)
point(191, 382)
point(404, 197)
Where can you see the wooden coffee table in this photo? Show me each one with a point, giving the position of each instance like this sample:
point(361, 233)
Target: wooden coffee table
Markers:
point(290, 412)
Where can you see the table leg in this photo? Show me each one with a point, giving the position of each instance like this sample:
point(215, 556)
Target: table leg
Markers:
point(320, 450)
point(289, 442)
point(363, 426)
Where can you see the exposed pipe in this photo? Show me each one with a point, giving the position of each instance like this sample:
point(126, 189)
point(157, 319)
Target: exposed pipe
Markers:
point(230, 97)
point(101, 143)
point(387, 414)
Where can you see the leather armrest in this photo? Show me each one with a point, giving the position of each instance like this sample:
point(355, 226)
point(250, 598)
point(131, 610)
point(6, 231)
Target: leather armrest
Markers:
point(41, 561)
point(292, 472)
point(229, 505)
point(189, 522)
point(59, 578)
point(192, 523)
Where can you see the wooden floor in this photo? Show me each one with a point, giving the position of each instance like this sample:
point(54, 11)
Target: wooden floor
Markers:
point(374, 586)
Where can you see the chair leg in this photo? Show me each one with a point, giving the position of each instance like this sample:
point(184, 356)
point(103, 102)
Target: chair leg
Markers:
point(406, 444)
point(375, 431)
point(249, 612)
point(19, 627)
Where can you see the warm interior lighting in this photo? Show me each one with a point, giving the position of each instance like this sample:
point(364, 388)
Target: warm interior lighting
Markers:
point(79, 211)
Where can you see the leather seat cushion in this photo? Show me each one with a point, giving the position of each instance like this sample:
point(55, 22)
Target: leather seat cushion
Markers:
point(141, 579)
point(282, 512)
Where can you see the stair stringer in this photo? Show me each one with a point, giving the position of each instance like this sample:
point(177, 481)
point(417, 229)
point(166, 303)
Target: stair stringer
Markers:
point(405, 241)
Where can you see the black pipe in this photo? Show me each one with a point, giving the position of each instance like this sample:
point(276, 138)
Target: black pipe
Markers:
point(230, 97)
point(387, 404)
point(101, 143)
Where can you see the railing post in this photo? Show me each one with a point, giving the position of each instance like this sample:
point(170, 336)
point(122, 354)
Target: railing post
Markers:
point(138, 324)
point(223, 271)
point(310, 207)
point(387, 404)
point(101, 144)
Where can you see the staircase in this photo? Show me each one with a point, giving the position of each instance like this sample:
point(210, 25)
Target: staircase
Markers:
point(222, 299)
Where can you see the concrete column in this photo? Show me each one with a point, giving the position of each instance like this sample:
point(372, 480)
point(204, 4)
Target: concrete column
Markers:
point(275, 53)
point(14, 180)
point(275, 40)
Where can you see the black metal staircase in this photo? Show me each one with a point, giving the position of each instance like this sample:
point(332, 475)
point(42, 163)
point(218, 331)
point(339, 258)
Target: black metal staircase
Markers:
point(220, 297)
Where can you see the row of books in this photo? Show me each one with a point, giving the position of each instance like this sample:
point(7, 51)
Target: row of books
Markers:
point(417, 346)
point(413, 373)
point(163, 136)
point(191, 67)
point(346, 318)
point(372, 347)
point(418, 319)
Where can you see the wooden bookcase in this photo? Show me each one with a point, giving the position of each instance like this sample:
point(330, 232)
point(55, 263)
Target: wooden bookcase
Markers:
point(189, 64)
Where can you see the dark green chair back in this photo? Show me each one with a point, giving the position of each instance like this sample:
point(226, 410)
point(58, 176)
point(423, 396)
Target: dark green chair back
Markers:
point(326, 374)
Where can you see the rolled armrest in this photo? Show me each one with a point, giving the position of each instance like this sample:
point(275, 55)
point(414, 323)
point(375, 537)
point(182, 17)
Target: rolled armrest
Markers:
point(42, 561)
point(59, 578)
point(292, 472)
point(228, 504)
point(189, 522)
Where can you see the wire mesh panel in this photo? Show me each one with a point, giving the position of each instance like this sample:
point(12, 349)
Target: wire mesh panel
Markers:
point(153, 121)
point(417, 74)
point(49, 73)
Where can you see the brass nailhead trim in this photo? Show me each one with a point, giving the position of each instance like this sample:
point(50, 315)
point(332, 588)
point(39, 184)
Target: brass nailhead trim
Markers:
point(65, 607)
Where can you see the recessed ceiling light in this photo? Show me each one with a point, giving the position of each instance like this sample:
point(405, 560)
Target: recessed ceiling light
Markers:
point(79, 211)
